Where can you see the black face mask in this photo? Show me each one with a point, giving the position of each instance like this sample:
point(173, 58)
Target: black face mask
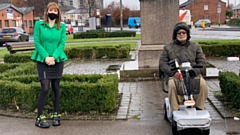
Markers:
point(52, 16)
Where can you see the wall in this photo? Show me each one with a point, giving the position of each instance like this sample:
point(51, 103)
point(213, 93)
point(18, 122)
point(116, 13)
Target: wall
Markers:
point(198, 12)
point(29, 18)
point(17, 17)
point(236, 13)
point(158, 18)
point(38, 5)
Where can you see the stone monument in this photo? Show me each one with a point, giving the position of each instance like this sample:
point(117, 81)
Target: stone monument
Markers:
point(158, 18)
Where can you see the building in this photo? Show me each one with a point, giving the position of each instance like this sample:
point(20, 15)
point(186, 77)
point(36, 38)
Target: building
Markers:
point(76, 12)
point(39, 6)
point(65, 6)
point(214, 10)
point(76, 17)
point(236, 11)
point(82, 11)
point(84, 3)
point(12, 16)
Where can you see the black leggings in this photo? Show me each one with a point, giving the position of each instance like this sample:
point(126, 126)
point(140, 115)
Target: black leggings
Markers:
point(45, 86)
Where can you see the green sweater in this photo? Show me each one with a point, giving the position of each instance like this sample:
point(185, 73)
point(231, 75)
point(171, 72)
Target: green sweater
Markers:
point(49, 41)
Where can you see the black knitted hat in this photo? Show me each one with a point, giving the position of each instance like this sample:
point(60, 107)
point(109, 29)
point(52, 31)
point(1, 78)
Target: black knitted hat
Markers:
point(178, 26)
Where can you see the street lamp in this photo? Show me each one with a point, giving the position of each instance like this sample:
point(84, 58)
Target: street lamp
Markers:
point(219, 12)
point(121, 16)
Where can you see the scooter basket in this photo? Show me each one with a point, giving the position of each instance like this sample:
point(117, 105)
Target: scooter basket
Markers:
point(194, 86)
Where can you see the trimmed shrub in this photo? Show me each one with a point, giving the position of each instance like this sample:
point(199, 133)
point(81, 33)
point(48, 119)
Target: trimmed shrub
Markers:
point(230, 88)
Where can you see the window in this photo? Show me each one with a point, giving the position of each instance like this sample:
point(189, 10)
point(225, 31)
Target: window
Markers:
point(14, 23)
point(205, 17)
point(6, 23)
point(0, 23)
point(7, 30)
point(205, 7)
point(30, 23)
point(25, 24)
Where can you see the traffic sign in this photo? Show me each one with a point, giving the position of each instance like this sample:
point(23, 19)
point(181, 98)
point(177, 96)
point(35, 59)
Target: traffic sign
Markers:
point(219, 10)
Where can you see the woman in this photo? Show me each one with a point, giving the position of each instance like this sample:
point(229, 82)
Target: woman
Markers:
point(49, 42)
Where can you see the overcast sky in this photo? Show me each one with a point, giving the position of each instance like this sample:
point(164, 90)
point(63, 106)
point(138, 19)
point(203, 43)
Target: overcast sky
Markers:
point(135, 4)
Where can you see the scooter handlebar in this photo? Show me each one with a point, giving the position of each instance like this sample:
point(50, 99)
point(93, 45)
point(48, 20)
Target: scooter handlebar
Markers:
point(198, 66)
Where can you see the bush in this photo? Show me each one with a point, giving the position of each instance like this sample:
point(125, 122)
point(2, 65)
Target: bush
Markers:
point(234, 22)
point(78, 92)
point(17, 58)
point(111, 52)
point(230, 88)
point(220, 48)
point(103, 34)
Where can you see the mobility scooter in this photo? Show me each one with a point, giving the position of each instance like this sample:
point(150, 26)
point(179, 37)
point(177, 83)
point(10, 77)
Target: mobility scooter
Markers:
point(187, 117)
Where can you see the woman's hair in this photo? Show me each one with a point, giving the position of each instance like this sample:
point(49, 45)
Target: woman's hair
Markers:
point(53, 5)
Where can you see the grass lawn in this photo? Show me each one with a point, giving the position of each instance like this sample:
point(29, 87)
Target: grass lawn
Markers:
point(2, 53)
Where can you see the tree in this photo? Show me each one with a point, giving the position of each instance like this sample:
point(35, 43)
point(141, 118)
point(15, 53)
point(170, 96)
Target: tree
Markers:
point(230, 6)
point(91, 6)
point(114, 9)
point(229, 14)
point(39, 5)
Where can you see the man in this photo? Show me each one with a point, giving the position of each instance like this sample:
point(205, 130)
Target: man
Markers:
point(183, 50)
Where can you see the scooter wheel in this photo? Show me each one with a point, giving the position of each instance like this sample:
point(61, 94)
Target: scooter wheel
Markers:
point(206, 132)
point(174, 128)
point(165, 112)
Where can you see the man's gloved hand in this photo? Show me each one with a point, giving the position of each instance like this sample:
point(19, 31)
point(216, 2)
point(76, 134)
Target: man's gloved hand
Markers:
point(176, 75)
point(192, 73)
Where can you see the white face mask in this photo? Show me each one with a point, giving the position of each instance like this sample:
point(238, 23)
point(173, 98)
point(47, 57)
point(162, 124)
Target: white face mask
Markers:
point(182, 39)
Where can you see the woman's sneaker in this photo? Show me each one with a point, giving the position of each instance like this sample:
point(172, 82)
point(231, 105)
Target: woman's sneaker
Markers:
point(56, 119)
point(41, 122)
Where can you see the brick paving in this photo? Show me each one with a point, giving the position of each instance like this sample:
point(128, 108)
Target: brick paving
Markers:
point(213, 84)
point(146, 98)
point(141, 100)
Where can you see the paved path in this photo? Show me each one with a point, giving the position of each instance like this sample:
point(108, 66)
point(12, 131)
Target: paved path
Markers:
point(223, 65)
point(145, 117)
point(142, 105)
point(147, 97)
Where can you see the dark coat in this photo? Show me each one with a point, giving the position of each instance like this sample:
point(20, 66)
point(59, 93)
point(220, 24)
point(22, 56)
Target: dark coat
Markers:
point(189, 52)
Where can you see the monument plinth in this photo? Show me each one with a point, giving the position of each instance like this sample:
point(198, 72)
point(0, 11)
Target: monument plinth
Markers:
point(158, 18)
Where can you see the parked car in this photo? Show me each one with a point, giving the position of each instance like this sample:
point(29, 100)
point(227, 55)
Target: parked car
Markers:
point(69, 29)
point(13, 34)
point(199, 23)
